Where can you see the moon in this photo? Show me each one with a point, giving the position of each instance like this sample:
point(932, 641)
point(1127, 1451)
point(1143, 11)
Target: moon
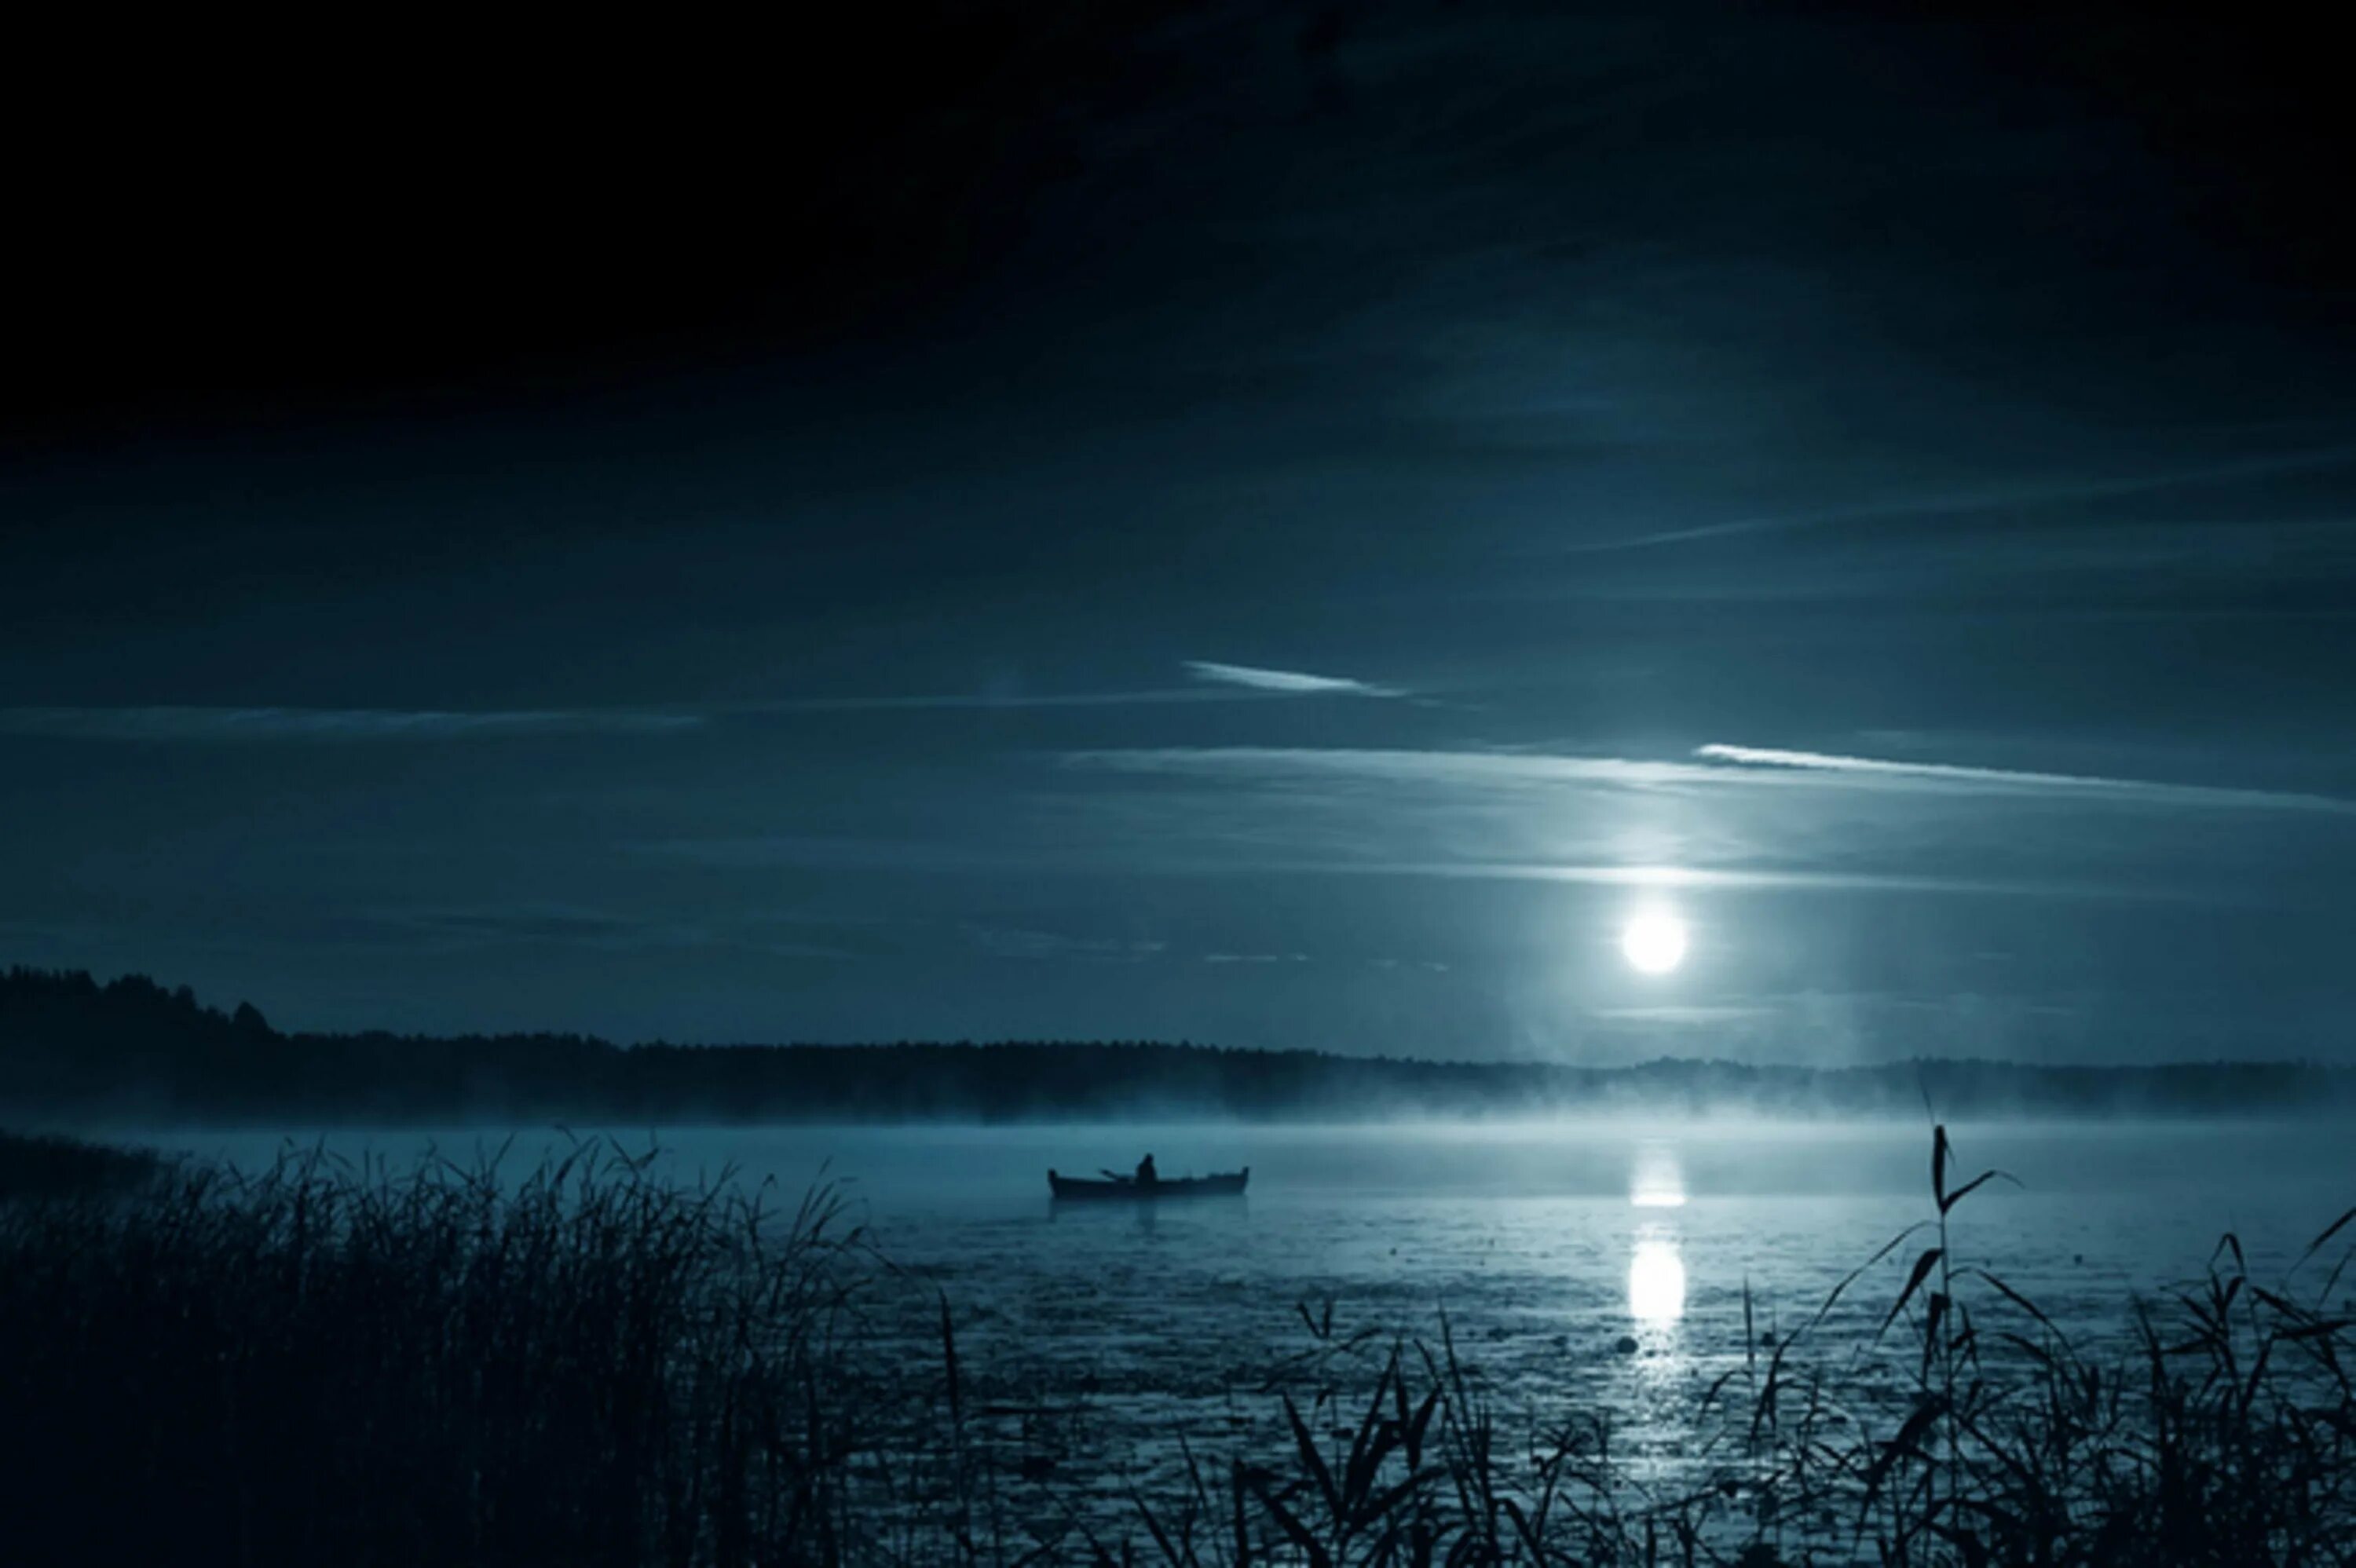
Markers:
point(1653, 942)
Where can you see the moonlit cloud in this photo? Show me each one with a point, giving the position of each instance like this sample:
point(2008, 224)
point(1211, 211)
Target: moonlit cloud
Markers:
point(1999, 499)
point(1002, 942)
point(1743, 767)
point(1223, 683)
point(959, 700)
point(1292, 683)
point(1696, 1016)
point(1216, 683)
point(1433, 767)
point(330, 723)
point(2013, 780)
point(1724, 880)
point(529, 926)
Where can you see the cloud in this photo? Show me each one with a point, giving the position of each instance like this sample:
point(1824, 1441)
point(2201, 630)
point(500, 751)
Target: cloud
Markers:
point(1218, 683)
point(1725, 821)
point(986, 700)
point(1210, 859)
point(1722, 767)
point(1392, 765)
point(175, 723)
point(850, 852)
point(1671, 1014)
point(1999, 499)
point(1004, 941)
point(1221, 683)
point(556, 924)
point(1723, 878)
point(190, 723)
point(1956, 776)
point(522, 922)
point(1289, 683)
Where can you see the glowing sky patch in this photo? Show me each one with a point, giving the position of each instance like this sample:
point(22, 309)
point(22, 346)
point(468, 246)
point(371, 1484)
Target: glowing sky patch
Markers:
point(1653, 942)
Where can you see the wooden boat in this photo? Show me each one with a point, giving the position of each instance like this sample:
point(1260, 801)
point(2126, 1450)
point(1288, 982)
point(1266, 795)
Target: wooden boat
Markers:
point(1125, 1189)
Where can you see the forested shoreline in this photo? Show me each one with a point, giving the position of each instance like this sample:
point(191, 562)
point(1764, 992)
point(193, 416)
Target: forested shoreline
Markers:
point(131, 1050)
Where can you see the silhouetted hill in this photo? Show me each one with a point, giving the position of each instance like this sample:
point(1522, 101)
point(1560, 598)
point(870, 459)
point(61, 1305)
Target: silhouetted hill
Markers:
point(131, 1050)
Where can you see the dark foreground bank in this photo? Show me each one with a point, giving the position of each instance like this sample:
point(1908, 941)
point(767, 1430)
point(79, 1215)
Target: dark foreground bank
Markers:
point(589, 1367)
point(46, 1167)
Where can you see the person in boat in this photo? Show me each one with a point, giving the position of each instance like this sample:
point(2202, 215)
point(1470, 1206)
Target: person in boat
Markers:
point(1146, 1175)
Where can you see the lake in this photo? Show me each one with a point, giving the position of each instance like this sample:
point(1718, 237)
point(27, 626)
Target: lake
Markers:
point(1547, 1247)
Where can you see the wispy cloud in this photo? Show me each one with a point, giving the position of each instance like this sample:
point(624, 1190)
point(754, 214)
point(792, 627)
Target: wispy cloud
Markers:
point(1994, 498)
point(564, 925)
point(1003, 942)
point(1723, 880)
point(1214, 683)
point(192, 723)
point(1213, 858)
point(848, 852)
point(1952, 775)
point(1390, 765)
point(179, 723)
point(1677, 1016)
point(1720, 766)
point(187, 722)
point(985, 700)
point(1287, 682)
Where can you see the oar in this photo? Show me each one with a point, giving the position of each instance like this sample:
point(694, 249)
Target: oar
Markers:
point(1113, 1174)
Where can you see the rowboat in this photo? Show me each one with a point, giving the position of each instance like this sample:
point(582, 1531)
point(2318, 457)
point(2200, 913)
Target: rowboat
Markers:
point(1120, 1189)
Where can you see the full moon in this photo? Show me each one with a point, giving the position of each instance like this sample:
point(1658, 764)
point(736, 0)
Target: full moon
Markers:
point(1653, 942)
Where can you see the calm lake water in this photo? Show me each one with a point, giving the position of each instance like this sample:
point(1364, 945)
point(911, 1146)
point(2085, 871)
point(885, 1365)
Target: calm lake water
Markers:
point(1545, 1246)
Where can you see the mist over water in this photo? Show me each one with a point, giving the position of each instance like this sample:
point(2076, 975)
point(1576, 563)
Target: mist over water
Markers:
point(1548, 1247)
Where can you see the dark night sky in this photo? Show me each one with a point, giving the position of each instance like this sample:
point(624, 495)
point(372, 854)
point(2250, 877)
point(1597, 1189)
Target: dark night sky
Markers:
point(1235, 522)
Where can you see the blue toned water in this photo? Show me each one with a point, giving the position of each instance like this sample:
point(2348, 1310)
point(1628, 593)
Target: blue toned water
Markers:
point(1545, 1246)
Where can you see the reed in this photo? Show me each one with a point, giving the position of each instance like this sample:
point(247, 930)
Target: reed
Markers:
point(45, 1165)
point(326, 1364)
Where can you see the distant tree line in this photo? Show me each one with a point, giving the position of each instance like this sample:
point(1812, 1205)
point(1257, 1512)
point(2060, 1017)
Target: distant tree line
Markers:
point(131, 1050)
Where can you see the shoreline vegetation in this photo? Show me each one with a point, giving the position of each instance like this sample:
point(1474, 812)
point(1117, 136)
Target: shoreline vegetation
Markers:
point(585, 1365)
point(45, 1165)
point(130, 1051)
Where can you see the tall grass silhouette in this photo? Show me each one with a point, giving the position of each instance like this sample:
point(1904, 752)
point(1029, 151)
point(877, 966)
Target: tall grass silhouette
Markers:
point(330, 1364)
point(44, 1166)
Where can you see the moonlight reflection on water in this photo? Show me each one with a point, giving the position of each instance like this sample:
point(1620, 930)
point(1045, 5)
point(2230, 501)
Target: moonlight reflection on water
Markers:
point(1657, 1271)
point(1657, 1280)
point(1656, 1179)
